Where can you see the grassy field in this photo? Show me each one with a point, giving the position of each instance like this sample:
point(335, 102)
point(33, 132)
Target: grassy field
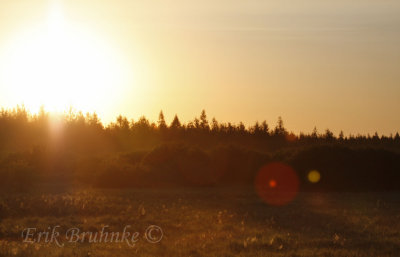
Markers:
point(205, 222)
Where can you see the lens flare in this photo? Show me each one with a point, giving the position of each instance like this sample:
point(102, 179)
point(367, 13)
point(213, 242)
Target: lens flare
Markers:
point(314, 176)
point(277, 184)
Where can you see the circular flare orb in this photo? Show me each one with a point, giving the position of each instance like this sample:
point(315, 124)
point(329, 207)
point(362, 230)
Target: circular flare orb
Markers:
point(277, 184)
point(314, 176)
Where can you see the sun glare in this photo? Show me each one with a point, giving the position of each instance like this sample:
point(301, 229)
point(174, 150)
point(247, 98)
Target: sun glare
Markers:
point(58, 64)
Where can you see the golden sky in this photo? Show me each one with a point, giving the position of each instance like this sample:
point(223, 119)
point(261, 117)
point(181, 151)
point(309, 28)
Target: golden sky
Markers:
point(330, 64)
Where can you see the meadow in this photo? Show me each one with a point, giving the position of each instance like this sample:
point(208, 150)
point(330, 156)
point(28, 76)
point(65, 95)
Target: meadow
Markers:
point(211, 189)
point(230, 221)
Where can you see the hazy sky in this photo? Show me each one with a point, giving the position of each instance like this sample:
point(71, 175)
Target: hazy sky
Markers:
point(330, 64)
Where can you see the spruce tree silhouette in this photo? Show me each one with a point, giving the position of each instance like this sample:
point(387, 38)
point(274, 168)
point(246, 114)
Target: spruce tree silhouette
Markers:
point(280, 129)
point(175, 124)
point(314, 133)
point(203, 121)
point(265, 128)
point(161, 121)
point(341, 135)
point(214, 125)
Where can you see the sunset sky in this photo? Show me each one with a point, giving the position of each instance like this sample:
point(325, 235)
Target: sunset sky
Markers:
point(330, 64)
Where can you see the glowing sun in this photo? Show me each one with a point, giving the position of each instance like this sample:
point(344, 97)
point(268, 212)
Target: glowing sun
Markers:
point(59, 64)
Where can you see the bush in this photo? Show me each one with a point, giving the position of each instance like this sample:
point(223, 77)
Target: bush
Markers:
point(17, 175)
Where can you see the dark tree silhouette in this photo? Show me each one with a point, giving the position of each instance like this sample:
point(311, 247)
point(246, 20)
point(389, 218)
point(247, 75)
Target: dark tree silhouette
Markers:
point(265, 127)
point(328, 135)
point(341, 135)
point(397, 137)
point(161, 121)
point(203, 121)
point(79, 149)
point(280, 129)
point(314, 133)
point(175, 124)
point(214, 125)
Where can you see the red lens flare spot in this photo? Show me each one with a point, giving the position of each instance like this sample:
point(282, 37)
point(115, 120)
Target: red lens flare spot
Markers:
point(272, 183)
point(277, 184)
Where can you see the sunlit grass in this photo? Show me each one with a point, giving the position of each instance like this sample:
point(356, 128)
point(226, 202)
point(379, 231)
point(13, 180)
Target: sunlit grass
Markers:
point(201, 222)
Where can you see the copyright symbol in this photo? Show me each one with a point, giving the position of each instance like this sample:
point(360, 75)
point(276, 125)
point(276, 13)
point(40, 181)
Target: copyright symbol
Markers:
point(154, 234)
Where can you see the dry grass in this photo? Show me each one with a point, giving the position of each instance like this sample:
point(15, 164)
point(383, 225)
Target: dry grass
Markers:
point(207, 222)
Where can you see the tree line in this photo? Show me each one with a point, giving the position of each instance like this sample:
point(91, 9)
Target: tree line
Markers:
point(20, 130)
point(77, 149)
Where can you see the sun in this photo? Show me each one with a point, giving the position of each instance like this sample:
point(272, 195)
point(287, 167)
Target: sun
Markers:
point(59, 64)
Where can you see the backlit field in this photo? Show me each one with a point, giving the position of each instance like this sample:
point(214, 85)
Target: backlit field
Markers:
point(205, 222)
